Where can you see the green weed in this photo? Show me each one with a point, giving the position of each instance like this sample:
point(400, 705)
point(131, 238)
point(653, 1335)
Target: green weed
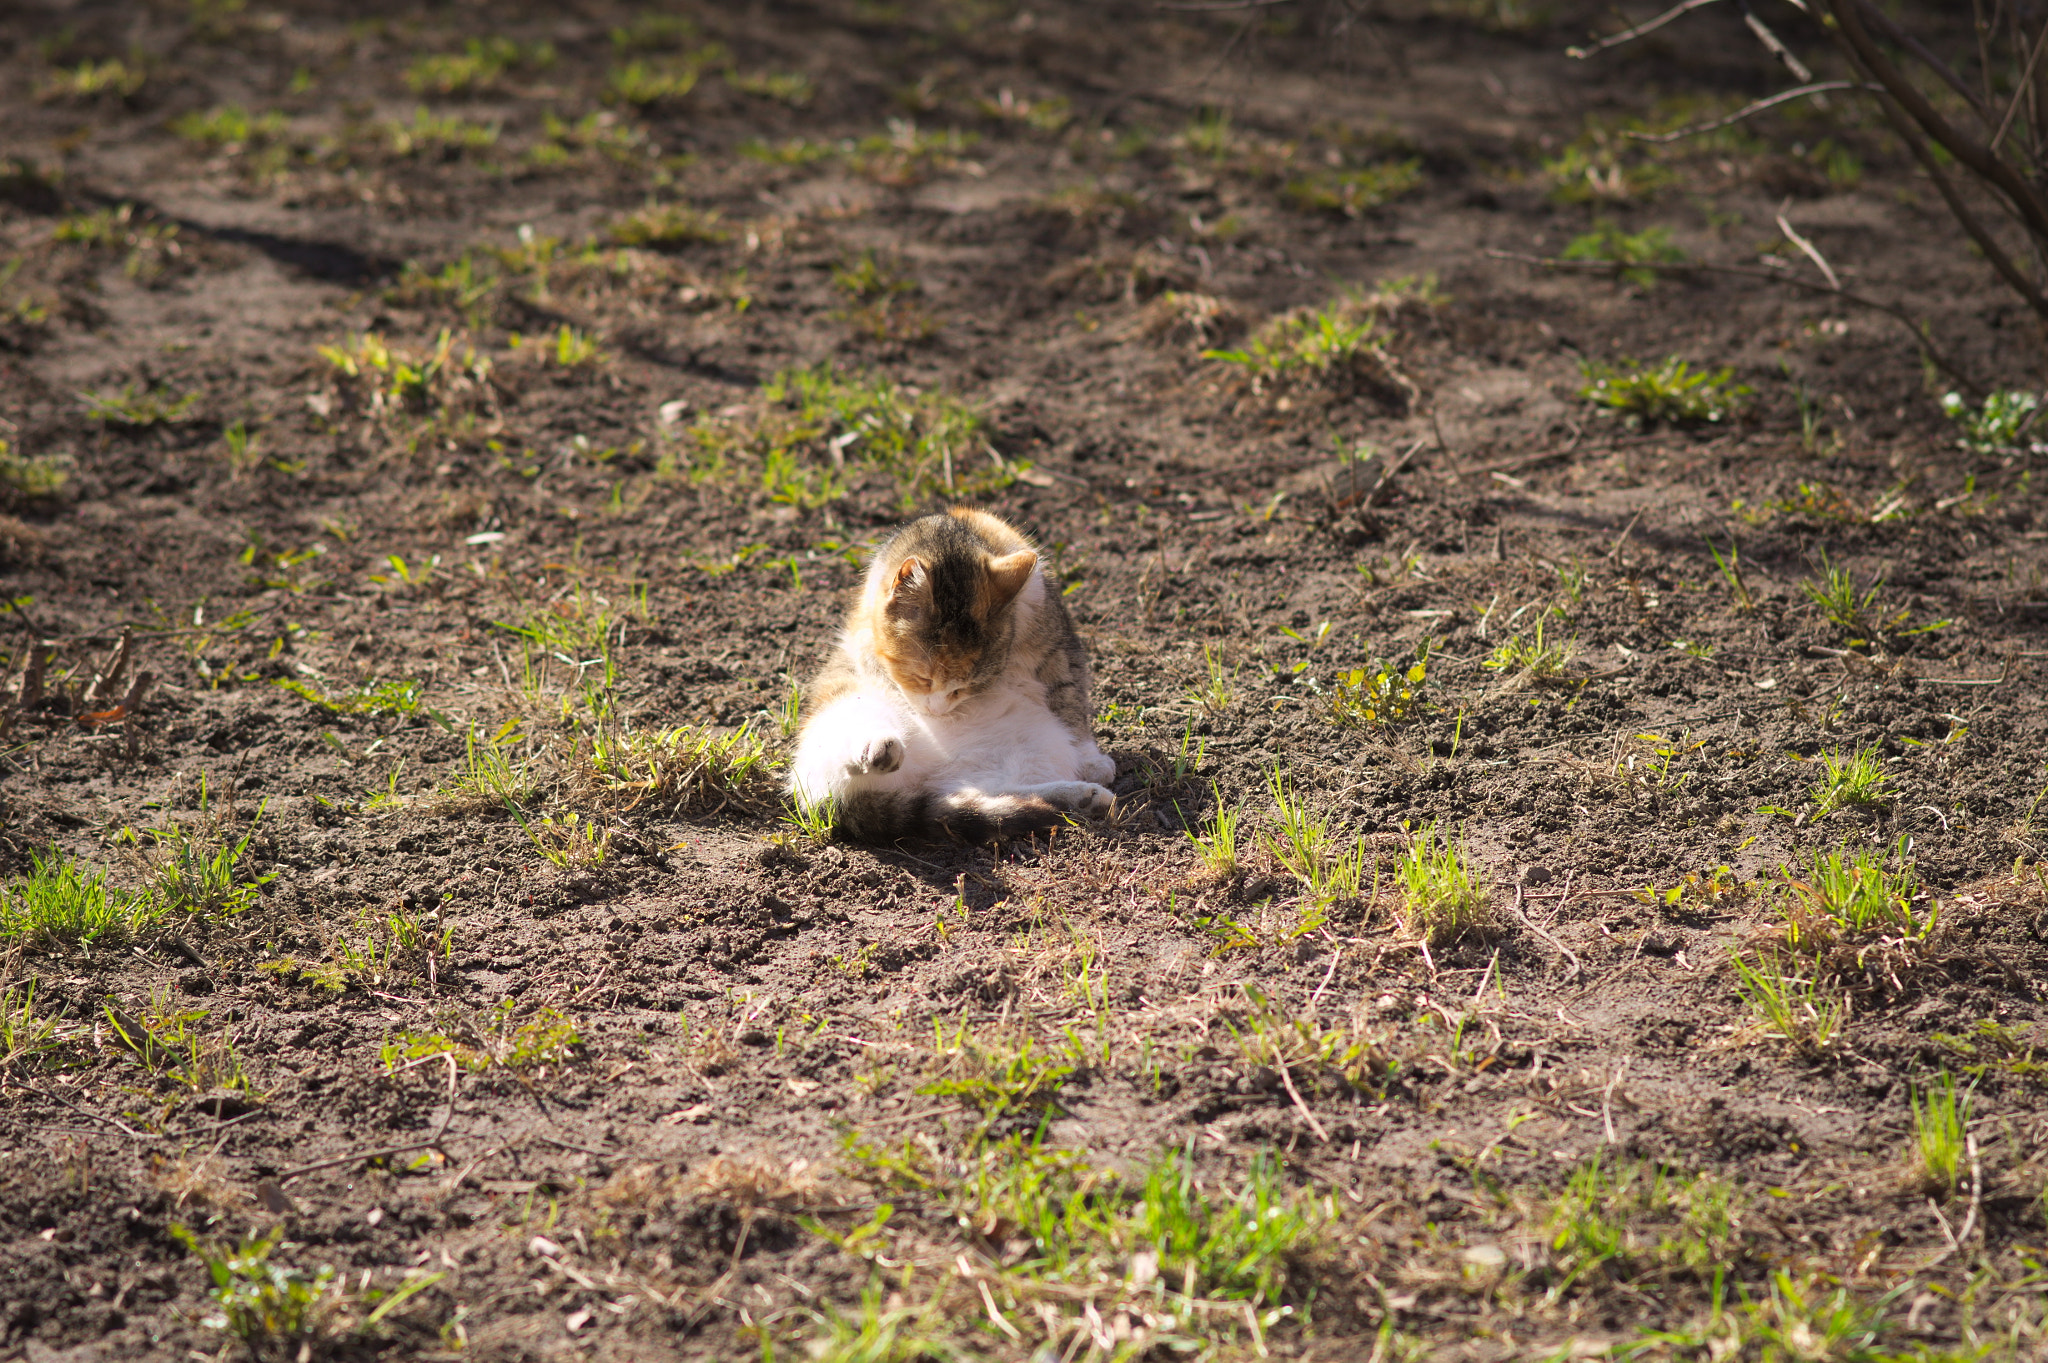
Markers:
point(1005, 1081)
point(229, 125)
point(138, 408)
point(1307, 343)
point(1788, 1001)
point(814, 820)
point(1344, 1058)
point(478, 67)
point(1849, 779)
point(669, 225)
point(1941, 1126)
point(687, 769)
point(1627, 252)
point(644, 83)
point(491, 775)
point(1858, 893)
point(438, 133)
point(506, 1036)
point(1352, 193)
point(1997, 425)
point(372, 698)
point(1731, 573)
point(1302, 844)
point(1670, 392)
point(793, 88)
point(1836, 593)
point(33, 476)
point(25, 1033)
point(204, 877)
point(281, 1312)
point(1533, 657)
point(59, 901)
point(89, 80)
point(571, 839)
point(1214, 692)
point(1380, 694)
point(1217, 842)
point(1636, 1222)
point(1441, 898)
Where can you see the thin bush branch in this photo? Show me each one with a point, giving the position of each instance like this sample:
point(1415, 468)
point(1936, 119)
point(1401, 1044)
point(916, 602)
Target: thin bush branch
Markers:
point(1776, 47)
point(2020, 91)
point(1751, 110)
point(1630, 35)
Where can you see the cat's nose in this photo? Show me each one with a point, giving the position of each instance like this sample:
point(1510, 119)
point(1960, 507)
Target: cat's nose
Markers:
point(938, 702)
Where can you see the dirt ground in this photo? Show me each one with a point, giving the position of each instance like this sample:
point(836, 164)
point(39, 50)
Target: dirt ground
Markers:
point(454, 409)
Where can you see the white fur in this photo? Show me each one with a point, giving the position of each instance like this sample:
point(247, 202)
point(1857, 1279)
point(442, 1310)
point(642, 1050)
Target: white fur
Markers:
point(1001, 742)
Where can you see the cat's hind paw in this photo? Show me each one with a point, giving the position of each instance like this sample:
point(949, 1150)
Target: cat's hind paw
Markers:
point(1078, 797)
point(876, 757)
point(1098, 768)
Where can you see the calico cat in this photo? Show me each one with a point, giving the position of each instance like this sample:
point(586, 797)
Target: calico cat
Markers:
point(956, 700)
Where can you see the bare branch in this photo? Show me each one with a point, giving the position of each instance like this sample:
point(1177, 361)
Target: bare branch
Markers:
point(1630, 35)
point(1974, 155)
point(1812, 252)
point(1926, 58)
point(1778, 49)
point(1752, 109)
point(2019, 93)
point(1920, 336)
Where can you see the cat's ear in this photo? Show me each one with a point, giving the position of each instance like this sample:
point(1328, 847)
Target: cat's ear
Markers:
point(905, 592)
point(1008, 574)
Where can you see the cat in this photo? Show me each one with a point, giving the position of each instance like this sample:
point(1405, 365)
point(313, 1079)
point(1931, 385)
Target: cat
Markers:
point(956, 699)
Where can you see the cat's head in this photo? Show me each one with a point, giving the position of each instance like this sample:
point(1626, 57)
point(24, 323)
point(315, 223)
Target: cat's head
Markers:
point(944, 611)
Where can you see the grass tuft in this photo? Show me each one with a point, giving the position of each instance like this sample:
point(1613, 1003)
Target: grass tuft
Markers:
point(1441, 899)
point(1849, 779)
point(1670, 392)
point(59, 901)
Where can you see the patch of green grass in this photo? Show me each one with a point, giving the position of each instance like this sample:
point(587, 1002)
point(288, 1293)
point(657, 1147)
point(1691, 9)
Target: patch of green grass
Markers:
point(821, 429)
point(1672, 392)
point(688, 769)
point(568, 348)
point(1308, 342)
point(1301, 843)
point(814, 820)
point(1789, 1001)
point(1006, 1081)
point(795, 151)
point(33, 476)
point(1352, 193)
point(491, 774)
point(507, 1035)
point(478, 67)
point(906, 154)
point(1441, 897)
point(1849, 779)
point(203, 876)
point(437, 133)
point(1627, 252)
point(793, 88)
point(1839, 599)
point(89, 80)
point(1941, 1126)
point(1637, 1222)
point(375, 698)
point(1214, 692)
point(1857, 892)
point(1217, 842)
point(229, 125)
point(26, 1033)
point(387, 379)
point(643, 84)
point(138, 408)
point(1342, 1058)
point(1997, 425)
point(60, 901)
point(1534, 656)
point(673, 224)
point(151, 246)
point(281, 1312)
point(1380, 694)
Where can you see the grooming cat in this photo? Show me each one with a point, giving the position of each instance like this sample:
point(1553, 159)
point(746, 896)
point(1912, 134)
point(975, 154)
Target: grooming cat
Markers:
point(956, 700)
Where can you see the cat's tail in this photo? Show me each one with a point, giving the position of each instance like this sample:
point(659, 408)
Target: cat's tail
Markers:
point(887, 815)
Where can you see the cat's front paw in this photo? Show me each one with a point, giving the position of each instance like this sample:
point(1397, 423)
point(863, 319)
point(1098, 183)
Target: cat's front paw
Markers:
point(876, 757)
point(1096, 801)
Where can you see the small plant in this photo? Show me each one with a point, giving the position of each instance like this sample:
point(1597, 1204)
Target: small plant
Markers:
point(490, 773)
point(32, 476)
point(572, 349)
point(138, 408)
point(1670, 392)
point(1217, 842)
point(477, 67)
point(1381, 694)
point(672, 224)
point(813, 820)
point(206, 882)
point(1857, 894)
point(261, 1302)
point(1836, 594)
point(228, 125)
point(571, 840)
point(1628, 253)
point(1213, 693)
point(1307, 342)
point(1353, 193)
point(58, 901)
point(25, 1033)
point(687, 769)
point(373, 698)
point(643, 83)
point(1731, 573)
point(1998, 425)
point(1533, 657)
point(1941, 1125)
point(1856, 778)
point(88, 80)
point(1441, 899)
point(1788, 1001)
point(438, 133)
point(793, 88)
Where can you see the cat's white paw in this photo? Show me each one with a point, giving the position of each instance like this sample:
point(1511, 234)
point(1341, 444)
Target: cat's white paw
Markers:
point(1098, 767)
point(1080, 797)
point(877, 756)
point(1097, 801)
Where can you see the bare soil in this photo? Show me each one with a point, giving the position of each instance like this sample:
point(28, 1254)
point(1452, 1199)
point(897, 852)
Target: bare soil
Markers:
point(687, 1070)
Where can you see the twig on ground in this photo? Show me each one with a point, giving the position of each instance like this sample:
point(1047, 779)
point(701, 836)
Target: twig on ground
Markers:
point(1527, 922)
point(1812, 252)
